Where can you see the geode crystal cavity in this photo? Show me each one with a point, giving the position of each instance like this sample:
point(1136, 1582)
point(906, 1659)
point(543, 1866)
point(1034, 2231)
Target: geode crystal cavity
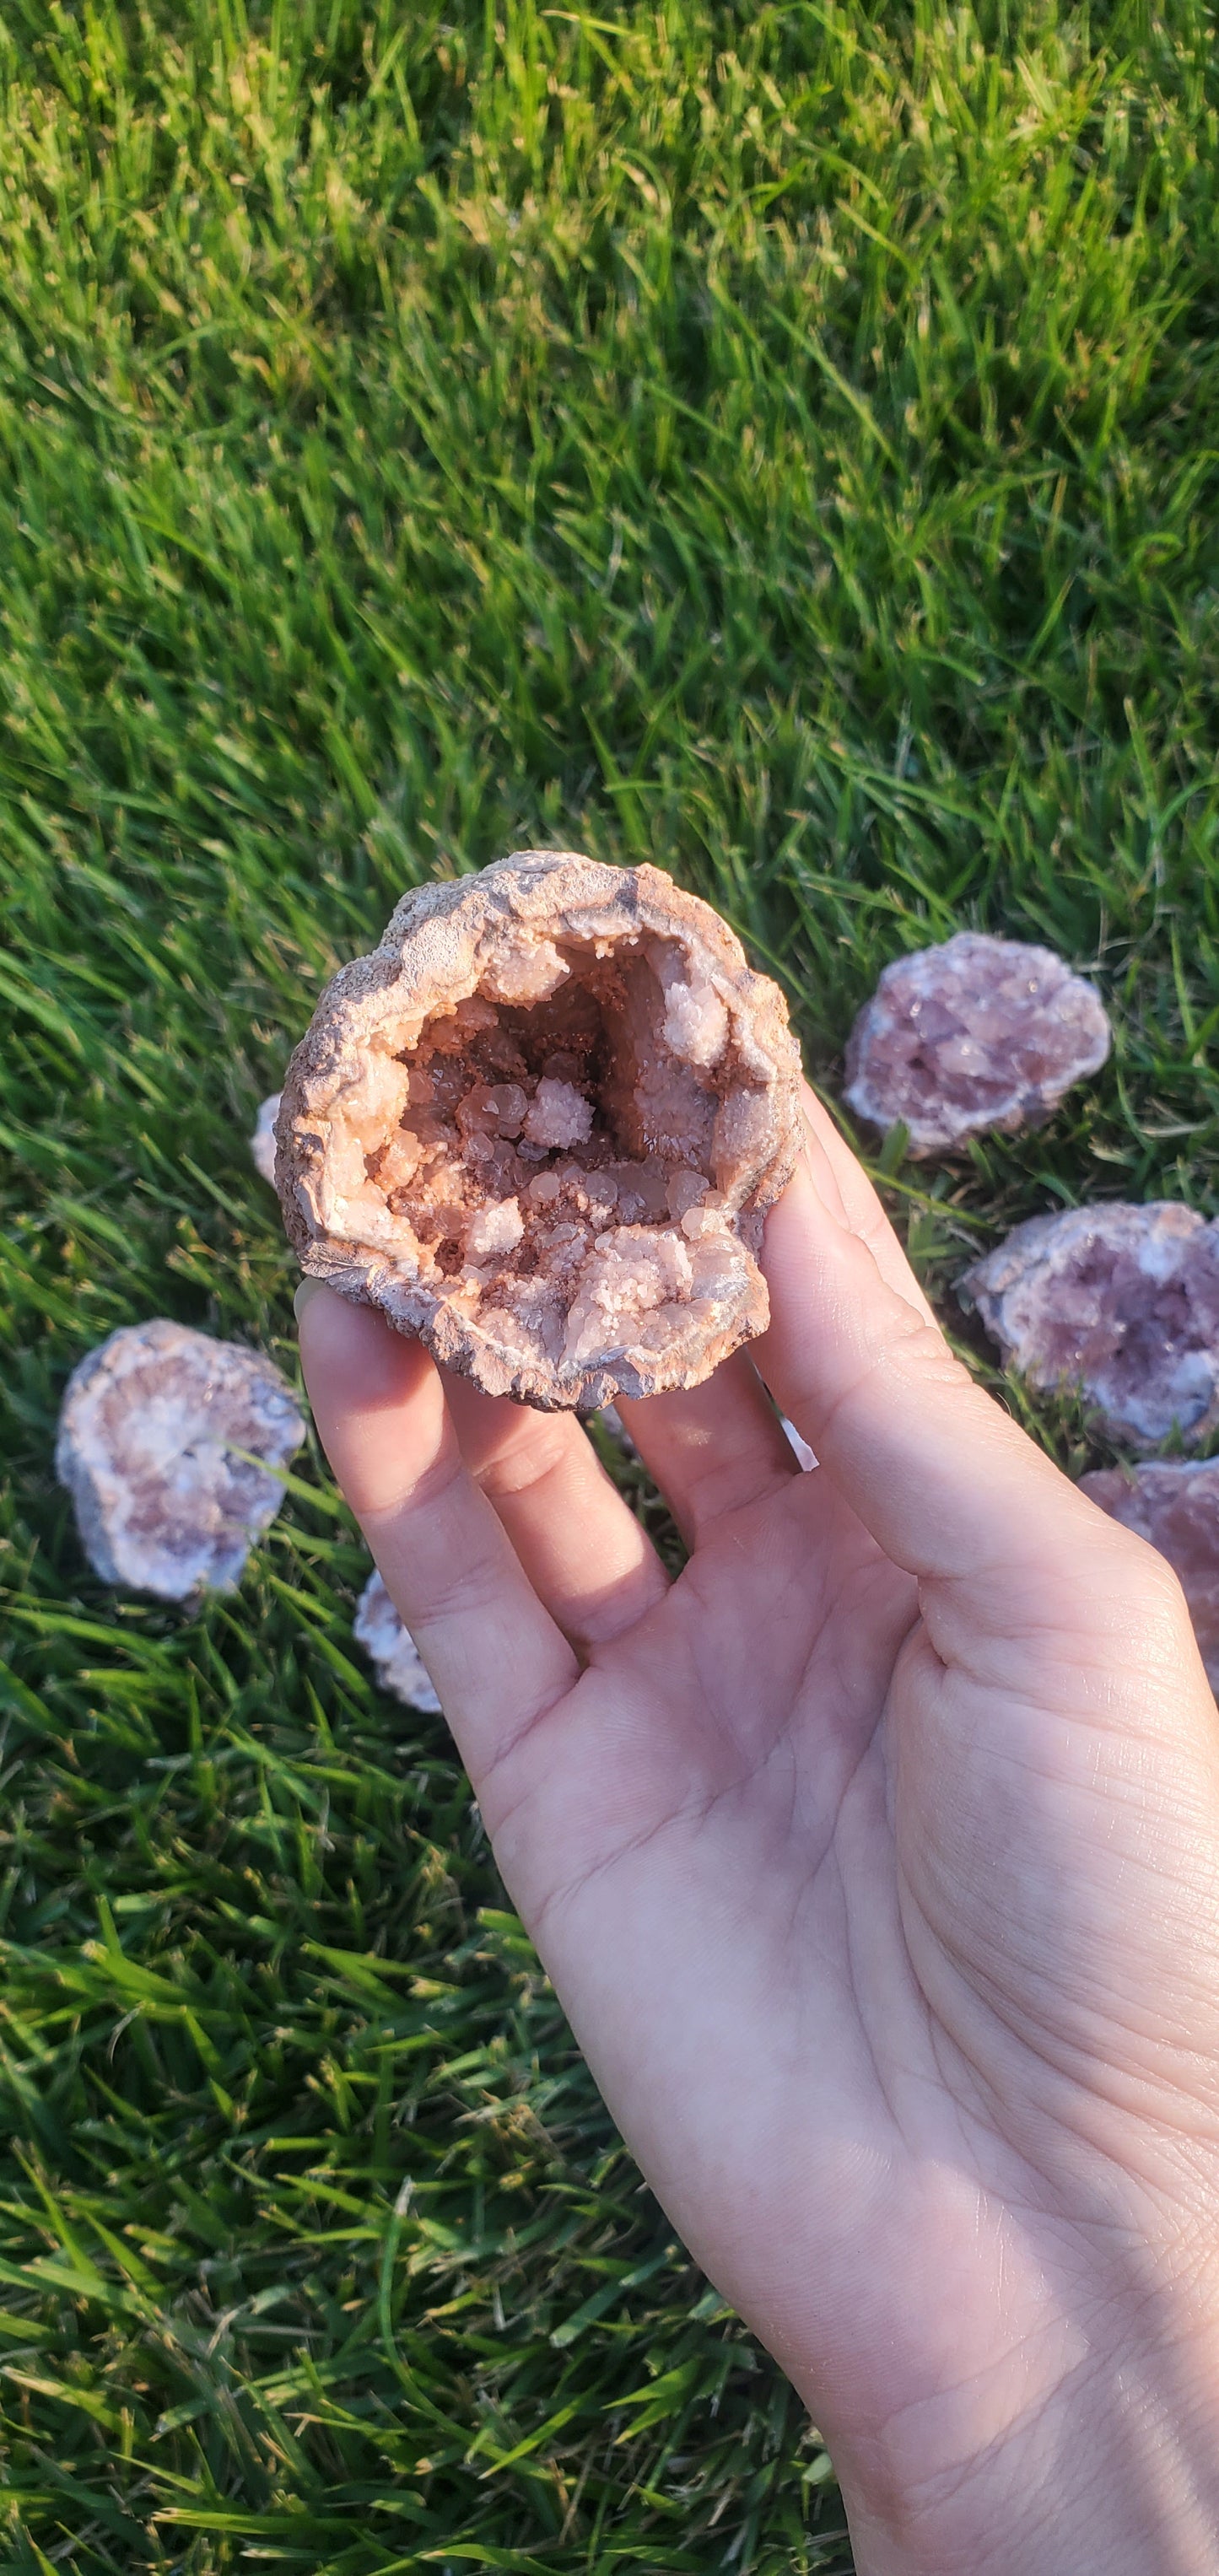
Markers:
point(149, 1432)
point(978, 1035)
point(391, 1649)
point(1119, 1302)
point(1174, 1504)
point(540, 1128)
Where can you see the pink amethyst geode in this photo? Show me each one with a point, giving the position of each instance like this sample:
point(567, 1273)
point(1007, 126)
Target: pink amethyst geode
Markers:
point(540, 1128)
point(1174, 1504)
point(1119, 1302)
point(391, 1649)
point(161, 1435)
point(980, 1034)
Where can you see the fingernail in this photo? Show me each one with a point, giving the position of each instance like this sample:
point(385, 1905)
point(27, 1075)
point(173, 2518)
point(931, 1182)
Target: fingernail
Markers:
point(308, 1288)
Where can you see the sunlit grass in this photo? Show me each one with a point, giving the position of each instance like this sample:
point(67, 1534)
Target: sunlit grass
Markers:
point(779, 443)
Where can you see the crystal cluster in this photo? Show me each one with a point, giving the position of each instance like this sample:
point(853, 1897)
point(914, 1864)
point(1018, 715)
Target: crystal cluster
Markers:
point(1119, 1302)
point(540, 1127)
point(977, 1034)
point(1174, 1504)
point(150, 1434)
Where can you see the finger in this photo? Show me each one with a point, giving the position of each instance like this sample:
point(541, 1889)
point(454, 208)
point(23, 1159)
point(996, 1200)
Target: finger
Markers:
point(843, 1183)
point(941, 1476)
point(583, 1551)
point(714, 1448)
point(496, 1657)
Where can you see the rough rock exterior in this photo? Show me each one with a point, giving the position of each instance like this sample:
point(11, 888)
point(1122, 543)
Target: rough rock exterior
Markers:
point(1174, 1503)
point(976, 1035)
point(391, 1649)
point(149, 1429)
point(1120, 1302)
point(262, 1142)
point(540, 1128)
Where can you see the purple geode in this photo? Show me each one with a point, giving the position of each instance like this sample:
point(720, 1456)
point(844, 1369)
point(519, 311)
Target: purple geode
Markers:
point(979, 1034)
point(1119, 1302)
point(160, 1437)
point(1174, 1504)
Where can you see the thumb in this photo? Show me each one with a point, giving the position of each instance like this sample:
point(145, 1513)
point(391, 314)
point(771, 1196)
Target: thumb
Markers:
point(944, 1480)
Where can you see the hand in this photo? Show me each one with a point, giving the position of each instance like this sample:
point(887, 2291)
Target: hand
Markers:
point(876, 1864)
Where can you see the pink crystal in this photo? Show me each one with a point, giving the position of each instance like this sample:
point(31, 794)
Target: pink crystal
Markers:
point(149, 1434)
point(262, 1142)
point(978, 1035)
point(391, 1649)
point(1117, 1301)
point(1174, 1504)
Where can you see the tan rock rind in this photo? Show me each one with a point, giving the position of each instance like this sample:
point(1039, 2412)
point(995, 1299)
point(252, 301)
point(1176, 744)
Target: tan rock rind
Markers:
point(540, 1126)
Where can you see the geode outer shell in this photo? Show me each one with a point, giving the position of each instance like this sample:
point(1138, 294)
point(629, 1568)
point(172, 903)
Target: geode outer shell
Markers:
point(391, 1649)
point(1121, 1302)
point(977, 1035)
point(148, 1430)
point(1174, 1504)
point(540, 1127)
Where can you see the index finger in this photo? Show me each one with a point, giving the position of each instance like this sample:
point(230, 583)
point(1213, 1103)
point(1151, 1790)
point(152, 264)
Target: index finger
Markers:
point(496, 1657)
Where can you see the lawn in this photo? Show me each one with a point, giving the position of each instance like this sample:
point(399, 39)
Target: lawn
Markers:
point(777, 442)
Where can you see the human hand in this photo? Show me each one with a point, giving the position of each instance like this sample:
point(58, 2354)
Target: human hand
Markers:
point(876, 1865)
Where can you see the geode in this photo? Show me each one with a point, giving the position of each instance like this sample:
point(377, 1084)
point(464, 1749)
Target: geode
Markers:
point(262, 1142)
point(978, 1035)
point(1174, 1504)
point(391, 1649)
point(150, 1429)
point(540, 1128)
point(1118, 1302)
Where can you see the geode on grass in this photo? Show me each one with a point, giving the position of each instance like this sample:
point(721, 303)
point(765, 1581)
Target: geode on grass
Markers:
point(972, 1037)
point(1118, 1301)
point(540, 1128)
point(262, 1142)
point(391, 1649)
point(150, 1431)
point(1174, 1504)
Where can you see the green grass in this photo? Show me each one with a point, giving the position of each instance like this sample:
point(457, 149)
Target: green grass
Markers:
point(780, 442)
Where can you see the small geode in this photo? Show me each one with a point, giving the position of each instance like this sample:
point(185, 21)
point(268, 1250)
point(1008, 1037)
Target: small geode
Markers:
point(1118, 1301)
point(150, 1431)
point(540, 1128)
point(262, 1142)
point(978, 1036)
point(1174, 1504)
point(391, 1649)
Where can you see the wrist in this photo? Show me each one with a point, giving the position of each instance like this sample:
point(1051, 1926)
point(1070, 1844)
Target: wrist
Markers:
point(1117, 2474)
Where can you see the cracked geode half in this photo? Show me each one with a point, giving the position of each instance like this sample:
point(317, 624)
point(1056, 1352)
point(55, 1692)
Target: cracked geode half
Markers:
point(978, 1036)
point(161, 1432)
point(540, 1128)
point(1119, 1301)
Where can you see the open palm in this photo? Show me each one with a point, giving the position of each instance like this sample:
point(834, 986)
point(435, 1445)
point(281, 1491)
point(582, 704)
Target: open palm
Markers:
point(874, 1861)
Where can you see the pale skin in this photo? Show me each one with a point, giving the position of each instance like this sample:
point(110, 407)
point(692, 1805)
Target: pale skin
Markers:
point(876, 1865)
